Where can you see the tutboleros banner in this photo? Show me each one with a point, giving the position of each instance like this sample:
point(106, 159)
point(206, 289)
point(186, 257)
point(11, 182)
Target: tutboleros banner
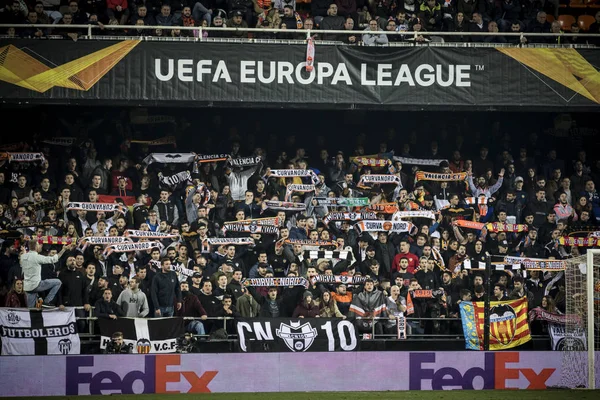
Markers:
point(275, 74)
point(296, 334)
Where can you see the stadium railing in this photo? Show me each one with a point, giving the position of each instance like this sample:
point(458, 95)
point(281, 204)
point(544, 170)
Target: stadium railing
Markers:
point(433, 38)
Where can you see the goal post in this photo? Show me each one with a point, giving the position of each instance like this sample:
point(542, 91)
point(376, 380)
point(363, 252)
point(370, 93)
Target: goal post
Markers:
point(591, 269)
point(580, 336)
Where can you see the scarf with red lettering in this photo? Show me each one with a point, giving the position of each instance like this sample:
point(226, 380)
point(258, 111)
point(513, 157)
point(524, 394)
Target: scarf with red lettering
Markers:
point(540, 314)
point(440, 177)
point(384, 208)
point(579, 241)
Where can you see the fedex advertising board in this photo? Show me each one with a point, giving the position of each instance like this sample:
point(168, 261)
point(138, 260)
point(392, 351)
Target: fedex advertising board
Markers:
point(283, 372)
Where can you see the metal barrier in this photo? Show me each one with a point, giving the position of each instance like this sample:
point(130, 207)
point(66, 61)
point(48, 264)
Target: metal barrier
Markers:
point(308, 33)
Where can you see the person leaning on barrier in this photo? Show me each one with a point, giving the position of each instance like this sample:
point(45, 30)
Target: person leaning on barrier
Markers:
point(31, 263)
point(106, 307)
point(117, 345)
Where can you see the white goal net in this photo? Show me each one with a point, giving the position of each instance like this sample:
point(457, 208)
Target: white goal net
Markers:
point(581, 338)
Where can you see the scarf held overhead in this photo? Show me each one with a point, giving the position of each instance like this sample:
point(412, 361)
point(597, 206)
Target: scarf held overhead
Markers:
point(434, 176)
point(348, 216)
point(277, 282)
point(342, 201)
point(384, 226)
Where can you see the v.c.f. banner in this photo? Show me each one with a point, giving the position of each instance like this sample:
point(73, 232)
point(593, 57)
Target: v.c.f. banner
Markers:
point(264, 75)
point(508, 324)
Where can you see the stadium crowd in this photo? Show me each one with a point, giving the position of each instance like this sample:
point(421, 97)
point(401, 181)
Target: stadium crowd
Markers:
point(535, 197)
point(362, 17)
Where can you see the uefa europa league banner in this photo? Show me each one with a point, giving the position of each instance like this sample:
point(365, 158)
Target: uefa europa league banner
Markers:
point(198, 73)
point(296, 335)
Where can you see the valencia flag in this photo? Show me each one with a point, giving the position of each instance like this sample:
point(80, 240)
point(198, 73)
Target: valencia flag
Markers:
point(508, 324)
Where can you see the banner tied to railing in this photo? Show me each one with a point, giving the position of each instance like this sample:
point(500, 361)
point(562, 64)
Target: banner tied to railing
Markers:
point(537, 264)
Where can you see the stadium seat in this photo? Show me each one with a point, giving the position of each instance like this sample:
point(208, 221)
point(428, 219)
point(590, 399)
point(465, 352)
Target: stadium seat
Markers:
point(585, 21)
point(577, 4)
point(566, 21)
point(592, 3)
point(550, 18)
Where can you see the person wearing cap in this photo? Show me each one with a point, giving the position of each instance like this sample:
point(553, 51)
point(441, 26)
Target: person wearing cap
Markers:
point(364, 265)
point(237, 21)
point(306, 308)
point(195, 287)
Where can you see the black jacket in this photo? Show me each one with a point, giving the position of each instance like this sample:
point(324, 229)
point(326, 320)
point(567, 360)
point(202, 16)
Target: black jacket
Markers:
point(166, 211)
point(103, 309)
point(165, 289)
point(73, 292)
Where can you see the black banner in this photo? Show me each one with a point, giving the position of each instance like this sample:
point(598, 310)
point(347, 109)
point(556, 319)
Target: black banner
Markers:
point(264, 75)
point(296, 334)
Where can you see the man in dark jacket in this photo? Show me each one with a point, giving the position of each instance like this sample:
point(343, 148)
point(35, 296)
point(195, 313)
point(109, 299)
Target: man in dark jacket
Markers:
point(477, 25)
point(166, 209)
point(539, 208)
point(191, 308)
point(73, 291)
point(165, 290)
point(106, 307)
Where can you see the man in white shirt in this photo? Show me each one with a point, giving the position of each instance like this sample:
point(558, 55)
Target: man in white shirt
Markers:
point(31, 263)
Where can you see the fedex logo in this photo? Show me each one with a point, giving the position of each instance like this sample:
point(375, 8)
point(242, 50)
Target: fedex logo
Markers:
point(157, 374)
point(494, 373)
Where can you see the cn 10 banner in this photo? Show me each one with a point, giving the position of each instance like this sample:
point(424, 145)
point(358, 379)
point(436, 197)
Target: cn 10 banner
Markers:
point(296, 335)
point(199, 73)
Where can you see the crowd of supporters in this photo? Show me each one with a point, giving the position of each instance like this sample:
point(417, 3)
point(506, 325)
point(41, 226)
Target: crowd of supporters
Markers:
point(362, 17)
point(550, 191)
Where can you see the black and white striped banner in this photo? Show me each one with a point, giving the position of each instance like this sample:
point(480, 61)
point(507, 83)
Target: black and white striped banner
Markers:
point(37, 332)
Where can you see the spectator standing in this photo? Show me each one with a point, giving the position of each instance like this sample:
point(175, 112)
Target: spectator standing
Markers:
point(165, 291)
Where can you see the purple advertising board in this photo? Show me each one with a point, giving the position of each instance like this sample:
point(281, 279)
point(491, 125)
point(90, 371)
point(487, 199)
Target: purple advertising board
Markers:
point(289, 372)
